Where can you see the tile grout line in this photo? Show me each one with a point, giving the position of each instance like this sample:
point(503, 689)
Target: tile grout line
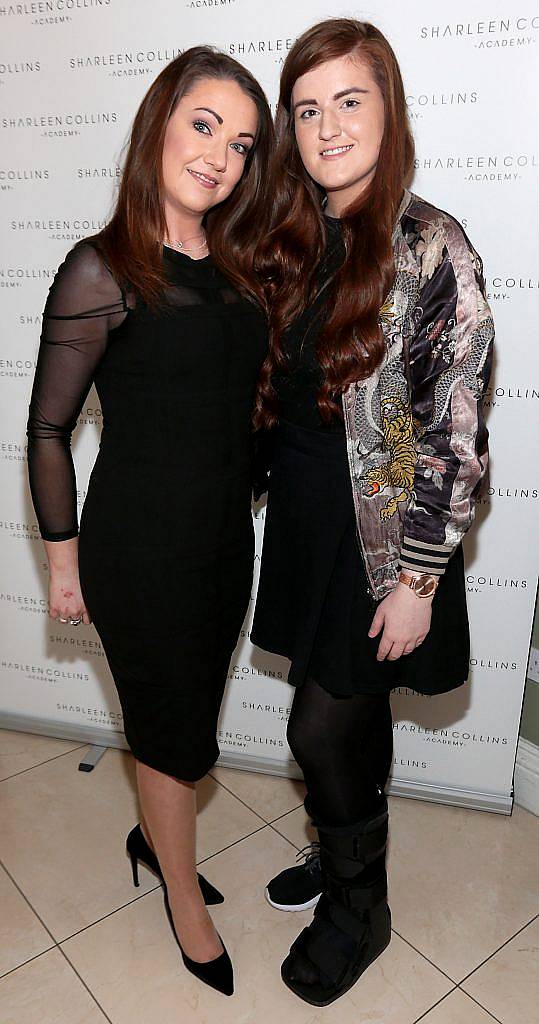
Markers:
point(219, 783)
point(25, 898)
point(141, 895)
point(235, 843)
point(455, 984)
point(458, 984)
point(55, 944)
point(23, 963)
point(40, 763)
point(248, 806)
point(455, 989)
point(82, 981)
point(111, 913)
point(148, 891)
point(476, 1001)
point(276, 830)
point(279, 816)
point(496, 951)
point(434, 1005)
point(116, 910)
point(289, 841)
point(265, 824)
point(425, 957)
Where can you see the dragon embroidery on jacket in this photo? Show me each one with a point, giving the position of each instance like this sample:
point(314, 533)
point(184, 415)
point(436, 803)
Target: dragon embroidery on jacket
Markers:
point(399, 441)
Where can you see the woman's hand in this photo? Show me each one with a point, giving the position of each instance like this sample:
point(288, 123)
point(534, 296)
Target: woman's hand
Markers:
point(405, 619)
point(65, 598)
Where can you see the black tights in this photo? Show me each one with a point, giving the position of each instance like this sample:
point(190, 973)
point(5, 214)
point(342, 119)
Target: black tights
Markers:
point(344, 746)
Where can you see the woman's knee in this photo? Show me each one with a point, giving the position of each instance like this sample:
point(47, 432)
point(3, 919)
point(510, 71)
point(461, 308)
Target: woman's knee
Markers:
point(308, 743)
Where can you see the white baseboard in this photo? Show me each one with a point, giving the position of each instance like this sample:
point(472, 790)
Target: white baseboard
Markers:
point(527, 776)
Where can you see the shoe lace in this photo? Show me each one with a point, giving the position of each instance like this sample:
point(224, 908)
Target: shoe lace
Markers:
point(311, 853)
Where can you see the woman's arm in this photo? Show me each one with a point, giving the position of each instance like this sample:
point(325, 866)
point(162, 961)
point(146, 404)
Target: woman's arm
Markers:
point(65, 596)
point(450, 358)
point(450, 365)
point(83, 303)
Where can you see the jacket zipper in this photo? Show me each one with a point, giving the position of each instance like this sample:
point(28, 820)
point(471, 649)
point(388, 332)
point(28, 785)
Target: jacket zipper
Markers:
point(370, 590)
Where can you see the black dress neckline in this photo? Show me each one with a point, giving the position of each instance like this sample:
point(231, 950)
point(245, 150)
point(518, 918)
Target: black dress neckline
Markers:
point(200, 273)
point(175, 254)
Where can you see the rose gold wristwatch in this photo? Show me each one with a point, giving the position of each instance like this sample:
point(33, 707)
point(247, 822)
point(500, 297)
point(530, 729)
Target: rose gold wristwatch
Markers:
point(422, 585)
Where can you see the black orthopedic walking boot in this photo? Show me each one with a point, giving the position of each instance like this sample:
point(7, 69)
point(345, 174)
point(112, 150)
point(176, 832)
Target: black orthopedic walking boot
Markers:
point(352, 921)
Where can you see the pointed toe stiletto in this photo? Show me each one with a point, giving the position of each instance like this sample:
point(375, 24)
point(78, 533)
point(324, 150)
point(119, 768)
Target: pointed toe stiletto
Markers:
point(217, 973)
point(138, 849)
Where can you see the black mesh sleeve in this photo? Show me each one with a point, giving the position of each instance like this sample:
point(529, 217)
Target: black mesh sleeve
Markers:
point(83, 305)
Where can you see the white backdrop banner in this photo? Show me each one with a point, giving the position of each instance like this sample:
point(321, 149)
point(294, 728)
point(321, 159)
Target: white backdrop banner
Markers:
point(72, 73)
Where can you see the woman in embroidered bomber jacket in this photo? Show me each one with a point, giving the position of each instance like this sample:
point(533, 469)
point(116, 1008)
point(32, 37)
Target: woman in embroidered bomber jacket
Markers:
point(381, 343)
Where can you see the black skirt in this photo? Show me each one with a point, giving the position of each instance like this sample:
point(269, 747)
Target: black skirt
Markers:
point(313, 604)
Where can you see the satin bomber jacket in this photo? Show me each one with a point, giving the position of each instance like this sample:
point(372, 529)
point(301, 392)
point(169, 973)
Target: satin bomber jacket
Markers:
point(415, 431)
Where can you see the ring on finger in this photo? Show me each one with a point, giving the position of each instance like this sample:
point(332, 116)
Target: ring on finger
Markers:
point(75, 622)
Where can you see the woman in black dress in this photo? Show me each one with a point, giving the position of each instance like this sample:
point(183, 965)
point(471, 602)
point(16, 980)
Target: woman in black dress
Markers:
point(162, 311)
point(380, 351)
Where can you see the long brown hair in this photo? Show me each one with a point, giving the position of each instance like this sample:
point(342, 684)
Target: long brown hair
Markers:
point(351, 344)
point(132, 240)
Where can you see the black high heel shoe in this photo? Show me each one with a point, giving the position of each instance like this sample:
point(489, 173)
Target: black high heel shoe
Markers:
point(217, 973)
point(138, 849)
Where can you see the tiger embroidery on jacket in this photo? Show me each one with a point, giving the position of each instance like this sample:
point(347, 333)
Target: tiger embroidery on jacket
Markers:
point(399, 441)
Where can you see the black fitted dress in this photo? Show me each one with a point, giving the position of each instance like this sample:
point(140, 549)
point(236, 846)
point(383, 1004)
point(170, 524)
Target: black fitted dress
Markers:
point(166, 535)
point(313, 604)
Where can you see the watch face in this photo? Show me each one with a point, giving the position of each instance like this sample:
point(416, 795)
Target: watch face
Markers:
point(425, 586)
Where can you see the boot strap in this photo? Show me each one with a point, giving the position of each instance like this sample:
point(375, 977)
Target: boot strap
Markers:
point(328, 945)
point(356, 897)
point(362, 847)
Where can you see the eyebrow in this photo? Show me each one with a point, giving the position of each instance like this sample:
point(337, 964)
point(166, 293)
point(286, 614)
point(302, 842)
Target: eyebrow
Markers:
point(208, 110)
point(219, 119)
point(337, 96)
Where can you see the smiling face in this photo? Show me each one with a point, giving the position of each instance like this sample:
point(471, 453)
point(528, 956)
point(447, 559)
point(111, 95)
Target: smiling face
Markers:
point(339, 124)
point(207, 141)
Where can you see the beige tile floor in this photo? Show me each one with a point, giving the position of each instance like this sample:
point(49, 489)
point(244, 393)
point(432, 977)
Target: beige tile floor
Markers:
point(80, 945)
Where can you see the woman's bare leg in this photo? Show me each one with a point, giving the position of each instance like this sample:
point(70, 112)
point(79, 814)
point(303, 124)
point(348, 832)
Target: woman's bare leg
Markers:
point(169, 823)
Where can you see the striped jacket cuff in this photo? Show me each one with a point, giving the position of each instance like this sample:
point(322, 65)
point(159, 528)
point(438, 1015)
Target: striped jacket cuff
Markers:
point(418, 556)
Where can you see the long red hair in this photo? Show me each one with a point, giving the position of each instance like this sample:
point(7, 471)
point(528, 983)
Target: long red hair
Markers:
point(132, 240)
point(351, 344)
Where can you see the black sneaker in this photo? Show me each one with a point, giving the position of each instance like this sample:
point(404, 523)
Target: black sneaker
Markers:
point(298, 888)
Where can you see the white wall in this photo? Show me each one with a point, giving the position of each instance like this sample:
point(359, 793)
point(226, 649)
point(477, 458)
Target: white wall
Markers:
point(72, 73)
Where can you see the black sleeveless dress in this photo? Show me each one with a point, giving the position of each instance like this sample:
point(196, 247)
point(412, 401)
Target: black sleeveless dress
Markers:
point(313, 604)
point(166, 537)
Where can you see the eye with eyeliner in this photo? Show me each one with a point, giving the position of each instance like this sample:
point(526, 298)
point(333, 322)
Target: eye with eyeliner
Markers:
point(199, 126)
point(349, 104)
